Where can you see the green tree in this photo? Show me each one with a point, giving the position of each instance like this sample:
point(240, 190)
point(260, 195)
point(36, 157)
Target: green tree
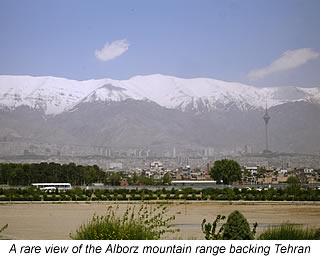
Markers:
point(115, 178)
point(293, 180)
point(90, 175)
point(135, 178)
point(166, 179)
point(237, 228)
point(293, 186)
point(144, 180)
point(226, 171)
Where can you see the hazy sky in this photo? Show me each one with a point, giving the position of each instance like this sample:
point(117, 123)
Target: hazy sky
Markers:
point(261, 43)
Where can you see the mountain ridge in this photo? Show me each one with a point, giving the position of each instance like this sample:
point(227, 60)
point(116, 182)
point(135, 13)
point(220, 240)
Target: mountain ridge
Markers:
point(55, 95)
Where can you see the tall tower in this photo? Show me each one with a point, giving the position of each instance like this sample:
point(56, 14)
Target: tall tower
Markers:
point(266, 118)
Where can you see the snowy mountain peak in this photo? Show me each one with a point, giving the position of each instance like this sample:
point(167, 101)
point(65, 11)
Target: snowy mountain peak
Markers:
point(107, 92)
point(56, 95)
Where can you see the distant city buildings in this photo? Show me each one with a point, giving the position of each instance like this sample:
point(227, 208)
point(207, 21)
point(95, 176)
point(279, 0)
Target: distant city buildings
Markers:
point(209, 152)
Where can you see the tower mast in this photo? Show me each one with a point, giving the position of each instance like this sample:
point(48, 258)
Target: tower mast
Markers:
point(266, 118)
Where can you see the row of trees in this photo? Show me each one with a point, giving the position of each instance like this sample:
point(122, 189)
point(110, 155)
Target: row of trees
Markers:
point(287, 194)
point(25, 174)
point(224, 171)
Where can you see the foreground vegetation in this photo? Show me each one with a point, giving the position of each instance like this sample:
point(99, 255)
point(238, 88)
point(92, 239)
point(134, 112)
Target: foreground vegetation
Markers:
point(146, 223)
point(149, 223)
point(290, 231)
point(237, 228)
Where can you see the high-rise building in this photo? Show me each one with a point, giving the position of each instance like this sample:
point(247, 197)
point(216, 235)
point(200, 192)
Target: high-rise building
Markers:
point(266, 118)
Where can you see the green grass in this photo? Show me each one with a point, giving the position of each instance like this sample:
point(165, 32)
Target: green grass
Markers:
point(145, 224)
point(290, 231)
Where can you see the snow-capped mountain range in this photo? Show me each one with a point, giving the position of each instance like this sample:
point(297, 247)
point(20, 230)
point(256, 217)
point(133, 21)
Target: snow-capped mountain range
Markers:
point(55, 95)
point(155, 112)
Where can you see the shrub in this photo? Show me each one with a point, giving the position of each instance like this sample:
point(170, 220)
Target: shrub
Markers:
point(209, 230)
point(145, 224)
point(290, 231)
point(236, 228)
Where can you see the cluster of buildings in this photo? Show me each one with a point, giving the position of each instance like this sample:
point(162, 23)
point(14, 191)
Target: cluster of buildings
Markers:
point(251, 175)
point(259, 176)
point(156, 171)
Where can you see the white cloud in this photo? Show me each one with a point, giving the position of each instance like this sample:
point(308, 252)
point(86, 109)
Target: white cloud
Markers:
point(112, 50)
point(289, 60)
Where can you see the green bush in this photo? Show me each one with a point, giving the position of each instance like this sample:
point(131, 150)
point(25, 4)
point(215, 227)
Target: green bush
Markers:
point(145, 224)
point(290, 231)
point(209, 230)
point(236, 228)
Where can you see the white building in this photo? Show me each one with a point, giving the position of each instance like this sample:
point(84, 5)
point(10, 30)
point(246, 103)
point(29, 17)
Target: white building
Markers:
point(252, 169)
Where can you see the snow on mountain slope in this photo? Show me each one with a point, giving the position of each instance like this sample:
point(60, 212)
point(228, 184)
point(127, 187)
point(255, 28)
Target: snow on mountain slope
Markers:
point(180, 93)
point(208, 94)
point(49, 94)
point(312, 94)
point(56, 95)
point(109, 92)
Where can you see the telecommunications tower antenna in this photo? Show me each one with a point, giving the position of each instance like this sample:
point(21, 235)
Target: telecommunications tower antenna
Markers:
point(266, 118)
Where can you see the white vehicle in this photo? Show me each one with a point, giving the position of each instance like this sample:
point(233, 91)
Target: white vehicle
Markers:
point(52, 186)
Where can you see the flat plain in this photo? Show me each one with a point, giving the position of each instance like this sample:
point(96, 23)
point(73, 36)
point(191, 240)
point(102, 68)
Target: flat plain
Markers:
point(57, 220)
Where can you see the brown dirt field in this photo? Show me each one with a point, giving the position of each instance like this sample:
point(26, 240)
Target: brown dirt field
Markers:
point(56, 221)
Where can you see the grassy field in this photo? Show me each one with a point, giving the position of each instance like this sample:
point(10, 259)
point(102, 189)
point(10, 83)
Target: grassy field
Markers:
point(57, 220)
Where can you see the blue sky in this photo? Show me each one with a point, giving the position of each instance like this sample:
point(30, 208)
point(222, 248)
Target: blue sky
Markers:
point(261, 43)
